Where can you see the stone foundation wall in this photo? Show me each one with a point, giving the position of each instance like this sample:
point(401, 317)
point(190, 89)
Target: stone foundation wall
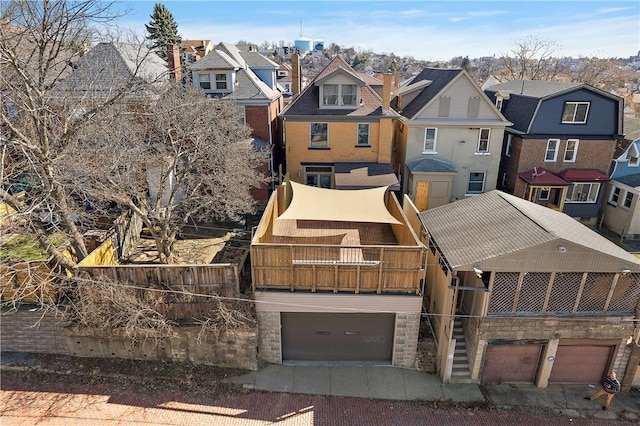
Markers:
point(406, 340)
point(30, 331)
point(269, 339)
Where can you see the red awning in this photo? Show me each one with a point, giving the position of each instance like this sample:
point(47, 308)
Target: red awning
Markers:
point(584, 175)
point(540, 176)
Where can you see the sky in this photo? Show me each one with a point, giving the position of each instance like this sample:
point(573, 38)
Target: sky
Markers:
point(426, 30)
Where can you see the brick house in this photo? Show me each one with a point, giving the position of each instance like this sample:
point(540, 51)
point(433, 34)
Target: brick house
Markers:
point(248, 79)
point(339, 132)
point(558, 151)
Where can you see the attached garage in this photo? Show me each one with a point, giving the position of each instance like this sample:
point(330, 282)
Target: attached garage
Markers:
point(511, 363)
point(337, 337)
point(581, 363)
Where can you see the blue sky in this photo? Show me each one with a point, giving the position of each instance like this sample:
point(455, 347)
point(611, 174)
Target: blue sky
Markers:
point(428, 30)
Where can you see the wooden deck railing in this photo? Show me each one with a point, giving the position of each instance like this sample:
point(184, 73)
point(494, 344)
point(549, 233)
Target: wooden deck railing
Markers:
point(337, 268)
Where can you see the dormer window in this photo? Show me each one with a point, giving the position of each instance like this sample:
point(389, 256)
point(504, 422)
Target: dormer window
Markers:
point(221, 81)
point(337, 95)
point(575, 112)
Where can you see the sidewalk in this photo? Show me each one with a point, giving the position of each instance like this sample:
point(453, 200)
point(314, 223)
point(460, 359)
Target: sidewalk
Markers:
point(393, 383)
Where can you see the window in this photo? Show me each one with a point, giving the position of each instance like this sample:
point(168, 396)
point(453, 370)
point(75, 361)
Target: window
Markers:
point(544, 194)
point(349, 94)
point(205, 81)
point(319, 176)
point(242, 118)
point(552, 150)
point(363, 134)
point(503, 181)
point(499, 103)
point(319, 137)
point(614, 196)
point(633, 160)
point(509, 148)
point(483, 141)
point(583, 193)
point(221, 81)
point(628, 199)
point(339, 95)
point(444, 106)
point(330, 94)
point(476, 183)
point(474, 107)
point(430, 136)
point(571, 151)
point(575, 112)
point(282, 73)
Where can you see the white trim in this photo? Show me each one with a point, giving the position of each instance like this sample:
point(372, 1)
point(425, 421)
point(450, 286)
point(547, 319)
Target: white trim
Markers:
point(555, 154)
point(586, 114)
point(480, 139)
point(624, 201)
point(587, 201)
point(484, 181)
point(575, 151)
point(614, 193)
point(435, 141)
point(509, 148)
point(368, 134)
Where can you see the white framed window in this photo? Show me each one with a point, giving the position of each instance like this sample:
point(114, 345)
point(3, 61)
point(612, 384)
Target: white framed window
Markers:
point(499, 101)
point(336, 95)
point(571, 151)
point(614, 196)
point(363, 134)
point(552, 150)
point(543, 195)
point(509, 148)
point(582, 193)
point(503, 180)
point(483, 141)
point(319, 136)
point(242, 117)
point(430, 140)
point(575, 112)
point(628, 199)
point(476, 183)
point(283, 73)
point(221, 82)
point(320, 176)
point(633, 161)
point(204, 80)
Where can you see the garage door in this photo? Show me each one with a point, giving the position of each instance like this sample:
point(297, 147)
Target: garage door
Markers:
point(337, 337)
point(511, 363)
point(580, 363)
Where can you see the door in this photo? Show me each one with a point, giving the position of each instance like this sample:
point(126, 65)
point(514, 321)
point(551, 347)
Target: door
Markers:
point(422, 196)
point(511, 363)
point(581, 363)
point(337, 337)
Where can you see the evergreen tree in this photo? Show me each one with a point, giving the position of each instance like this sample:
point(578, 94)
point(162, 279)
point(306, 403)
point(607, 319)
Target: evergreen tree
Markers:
point(163, 30)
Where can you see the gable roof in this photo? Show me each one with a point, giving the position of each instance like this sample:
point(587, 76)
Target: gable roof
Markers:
point(307, 103)
point(495, 224)
point(106, 67)
point(439, 79)
point(256, 60)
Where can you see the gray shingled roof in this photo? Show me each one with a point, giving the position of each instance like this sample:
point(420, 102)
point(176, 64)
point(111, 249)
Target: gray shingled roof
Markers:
point(494, 224)
point(534, 88)
point(107, 66)
point(630, 180)
point(439, 77)
point(256, 60)
point(215, 59)
point(429, 164)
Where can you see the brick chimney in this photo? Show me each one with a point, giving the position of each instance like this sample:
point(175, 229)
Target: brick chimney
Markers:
point(173, 58)
point(295, 74)
point(386, 93)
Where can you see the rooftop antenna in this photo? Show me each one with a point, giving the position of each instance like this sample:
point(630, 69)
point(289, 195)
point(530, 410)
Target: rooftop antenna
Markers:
point(300, 27)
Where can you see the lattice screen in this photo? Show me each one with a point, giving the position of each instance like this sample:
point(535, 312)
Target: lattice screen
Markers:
point(533, 292)
point(504, 290)
point(596, 290)
point(625, 294)
point(564, 292)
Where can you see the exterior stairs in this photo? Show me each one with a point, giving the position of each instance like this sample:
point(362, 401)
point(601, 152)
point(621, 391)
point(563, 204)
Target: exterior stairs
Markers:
point(460, 372)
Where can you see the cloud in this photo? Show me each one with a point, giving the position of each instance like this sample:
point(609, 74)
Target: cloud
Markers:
point(613, 10)
point(412, 12)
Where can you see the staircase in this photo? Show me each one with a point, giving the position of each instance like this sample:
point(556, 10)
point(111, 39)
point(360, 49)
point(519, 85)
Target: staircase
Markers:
point(460, 372)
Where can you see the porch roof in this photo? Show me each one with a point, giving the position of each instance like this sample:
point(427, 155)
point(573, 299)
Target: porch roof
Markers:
point(542, 177)
point(584, 175)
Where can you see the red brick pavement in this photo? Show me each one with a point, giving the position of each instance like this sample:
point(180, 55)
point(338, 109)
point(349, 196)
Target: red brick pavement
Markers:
point(58, 404)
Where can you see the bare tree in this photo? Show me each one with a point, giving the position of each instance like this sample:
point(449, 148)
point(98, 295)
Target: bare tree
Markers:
point(188, 158)
point(531, 59)
point(40, 45)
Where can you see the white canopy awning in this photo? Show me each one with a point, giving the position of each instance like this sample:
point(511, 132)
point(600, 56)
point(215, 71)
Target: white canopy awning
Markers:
point(360, 205)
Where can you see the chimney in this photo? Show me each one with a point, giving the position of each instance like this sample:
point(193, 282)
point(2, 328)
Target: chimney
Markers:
point(396, 79)
point(386, 93)
point(295, 74)
point(173, 58)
